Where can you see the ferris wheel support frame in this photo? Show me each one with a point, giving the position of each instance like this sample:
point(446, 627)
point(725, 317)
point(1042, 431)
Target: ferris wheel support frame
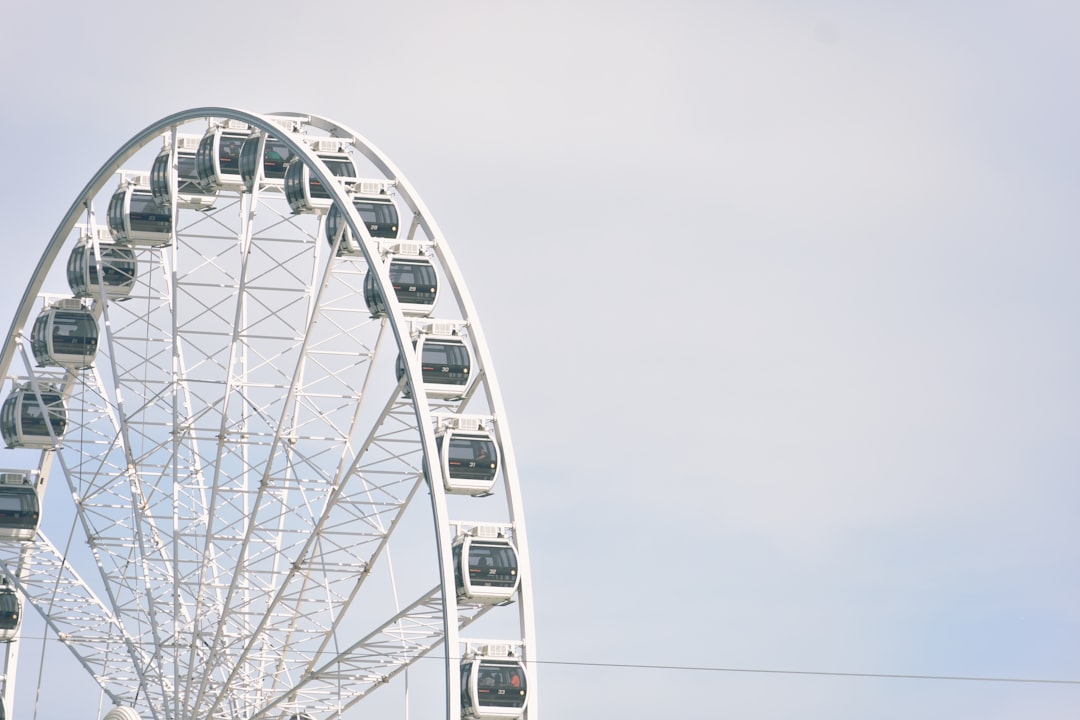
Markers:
point(451, 613)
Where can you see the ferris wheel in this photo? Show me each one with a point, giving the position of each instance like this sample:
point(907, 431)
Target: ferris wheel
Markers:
point(250, 362)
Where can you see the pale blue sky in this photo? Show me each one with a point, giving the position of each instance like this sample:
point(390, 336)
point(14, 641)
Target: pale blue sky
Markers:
point(782, 296)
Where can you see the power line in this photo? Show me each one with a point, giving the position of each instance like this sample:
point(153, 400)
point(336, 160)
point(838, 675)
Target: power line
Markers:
point(819, 673)
point(769, 671)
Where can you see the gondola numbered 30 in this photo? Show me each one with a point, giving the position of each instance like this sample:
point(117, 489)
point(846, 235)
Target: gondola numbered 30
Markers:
point(190, 193)
point(27, 422)
point(135, 216)
point(217, 161)
point(493, 686)
point(416, 286)
point(20, 506)
point(303, 190)
point(444, 365)
point(468, 456)
point(485, 567)
point(119, 269)
point(65, 334)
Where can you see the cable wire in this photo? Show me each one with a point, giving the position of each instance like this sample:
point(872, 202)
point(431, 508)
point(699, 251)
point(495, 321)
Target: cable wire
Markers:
point(819, 673)
point(767, 671)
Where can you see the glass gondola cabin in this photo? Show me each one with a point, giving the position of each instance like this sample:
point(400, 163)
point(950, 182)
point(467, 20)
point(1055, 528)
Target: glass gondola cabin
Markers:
point(444, 365)
point(379, 215)
point(10, 612)
point(20, 508)
point(136, 218)
point(485, 569)
point(25, 422)
point(304, 190)
point(416, 286)
point(469, 460)
point(65, 335)
point(118, 271)
point(217, 161)
point(276, 157)
point(492, 688)
point(189, 193)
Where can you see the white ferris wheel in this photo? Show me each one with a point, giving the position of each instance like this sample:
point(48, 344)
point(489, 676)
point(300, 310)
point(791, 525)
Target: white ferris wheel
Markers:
point(248, 395)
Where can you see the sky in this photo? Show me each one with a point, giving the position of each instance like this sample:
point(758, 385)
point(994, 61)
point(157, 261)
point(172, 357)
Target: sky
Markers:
point(782, 296)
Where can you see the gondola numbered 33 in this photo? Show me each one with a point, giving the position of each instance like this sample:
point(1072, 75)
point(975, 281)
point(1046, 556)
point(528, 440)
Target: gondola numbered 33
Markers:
point(494, 685)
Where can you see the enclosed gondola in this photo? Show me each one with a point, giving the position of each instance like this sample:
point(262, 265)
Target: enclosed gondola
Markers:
point(118, 271)
point(276, 157)
point(378, 213)
point(65, 334)
point(217, 161)
point(27, 422)
point(189, 192)
point(10, 612)
point(444, 363)
point(416, 286)
point(20, 507)
point(492, 688)
point(303, 189)
point(468, 456)
point(135, 216)
point(485, 568)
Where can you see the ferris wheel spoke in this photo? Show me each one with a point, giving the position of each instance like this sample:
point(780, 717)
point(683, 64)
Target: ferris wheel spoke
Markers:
point(333, 549)
point(121, 592)
point(301, 410)
point(212, 571)
point(349, 676)
point(78, 618)
point(131, 559)
point(332, 552)
point(325, 572)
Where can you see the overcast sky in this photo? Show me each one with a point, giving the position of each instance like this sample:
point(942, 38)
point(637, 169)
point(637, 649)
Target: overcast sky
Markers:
point(783, 298)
